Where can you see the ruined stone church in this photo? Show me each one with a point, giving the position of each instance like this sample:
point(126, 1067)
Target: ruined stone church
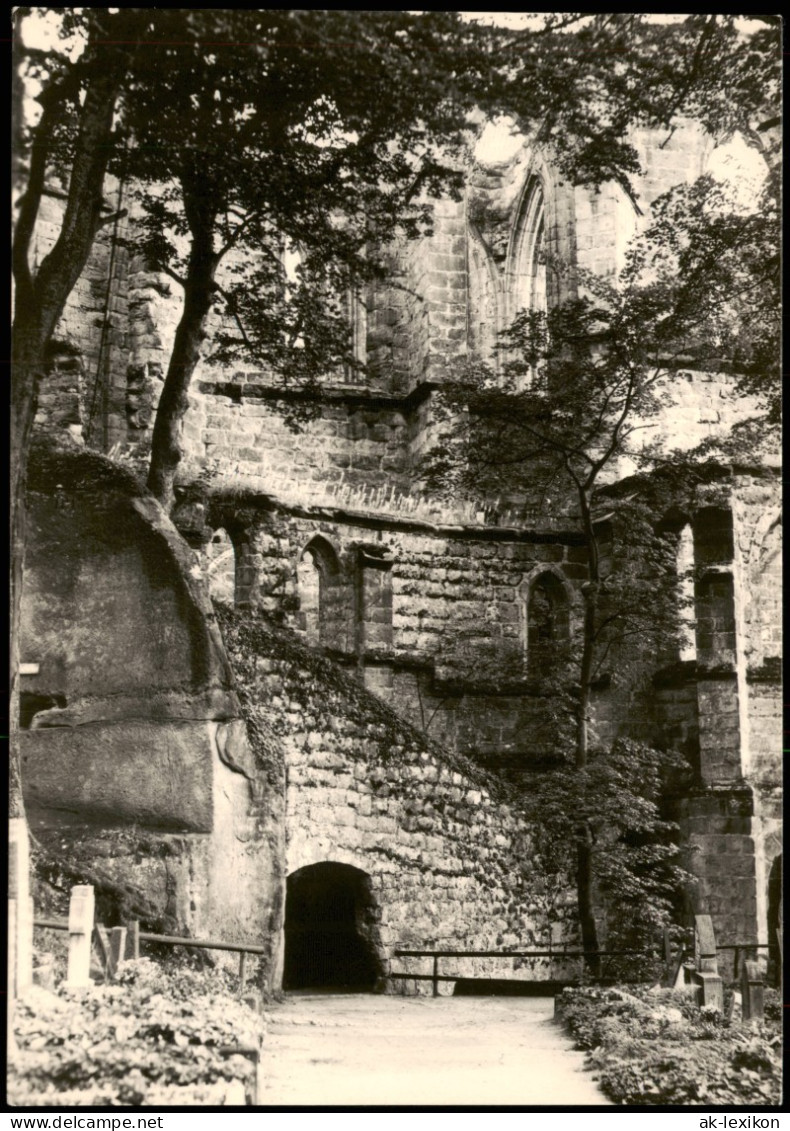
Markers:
point(350, 758)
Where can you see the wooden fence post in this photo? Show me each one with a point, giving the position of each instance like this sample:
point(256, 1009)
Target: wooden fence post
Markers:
point(242, 974)
point(19, 890)
point(81, 907)
point(117, 951)
point(133, 940)
point(752, 1003)
point(11, 949)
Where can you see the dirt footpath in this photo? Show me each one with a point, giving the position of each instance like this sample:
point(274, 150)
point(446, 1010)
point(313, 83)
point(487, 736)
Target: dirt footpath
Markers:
point(347, 1049)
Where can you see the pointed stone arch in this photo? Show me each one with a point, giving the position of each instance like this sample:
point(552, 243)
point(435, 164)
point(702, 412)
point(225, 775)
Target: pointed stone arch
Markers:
point(526, 276)
point(220, 565)
point(322, 596)
point(547, 604)
point(484, 299)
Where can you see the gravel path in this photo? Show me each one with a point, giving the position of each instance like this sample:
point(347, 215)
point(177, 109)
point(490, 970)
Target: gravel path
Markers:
point(348, 1049)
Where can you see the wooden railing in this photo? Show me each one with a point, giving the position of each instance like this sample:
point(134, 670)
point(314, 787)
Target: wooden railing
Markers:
point(119, 944)
point(124, 943)
point(435, 977)
point(702, 973)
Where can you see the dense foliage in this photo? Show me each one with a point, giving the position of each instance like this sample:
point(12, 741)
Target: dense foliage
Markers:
point(579, 397)
point(656, 1047)
point(151, 1038)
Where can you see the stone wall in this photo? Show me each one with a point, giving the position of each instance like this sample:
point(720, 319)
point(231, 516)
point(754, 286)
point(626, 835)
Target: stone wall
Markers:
point(447, 852)
point(245, 438)
point(188, 785)
point(434, 620)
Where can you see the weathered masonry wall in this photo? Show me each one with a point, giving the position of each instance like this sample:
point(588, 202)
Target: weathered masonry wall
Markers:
point(732, 820)
point(449, 857)
point(436, 624)
point(136, 764)
point(239, 430)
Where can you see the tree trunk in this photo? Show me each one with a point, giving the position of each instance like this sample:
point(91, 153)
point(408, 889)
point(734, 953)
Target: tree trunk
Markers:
point(198, 296)
point(27, 359)
point(584, 837)
point(39, 304)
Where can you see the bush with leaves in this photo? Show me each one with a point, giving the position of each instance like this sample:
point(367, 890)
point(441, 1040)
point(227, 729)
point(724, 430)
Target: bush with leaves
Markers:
point(651, 1047)
point(151, 1038)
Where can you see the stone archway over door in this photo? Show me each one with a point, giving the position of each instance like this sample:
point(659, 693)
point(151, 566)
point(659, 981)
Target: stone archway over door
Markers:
point(330, 918)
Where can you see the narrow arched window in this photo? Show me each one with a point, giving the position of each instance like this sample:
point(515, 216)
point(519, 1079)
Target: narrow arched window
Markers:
point(320, 594)
point(547, 625)
point(220, 559)
point(308, 576)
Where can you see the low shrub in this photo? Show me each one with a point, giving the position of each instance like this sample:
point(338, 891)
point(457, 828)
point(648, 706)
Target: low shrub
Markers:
point(654, 1046)
point(153, 1038)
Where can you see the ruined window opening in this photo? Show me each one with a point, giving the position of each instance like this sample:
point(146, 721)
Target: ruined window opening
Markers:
point(774, 917)
point(713, 544)
point(331, 930)
point(529, 283)
point(308, 575)
point(318, 582)
point(220, 565)
point(713, 590)
point(484, 319)
point(373, 603)
point(292, 260)
point(548, 626)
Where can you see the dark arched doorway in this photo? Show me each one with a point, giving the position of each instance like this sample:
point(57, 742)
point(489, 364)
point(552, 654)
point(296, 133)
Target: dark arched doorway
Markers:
point(330, 917)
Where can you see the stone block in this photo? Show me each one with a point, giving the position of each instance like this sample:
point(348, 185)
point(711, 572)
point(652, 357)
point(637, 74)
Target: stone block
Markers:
point(157, 774)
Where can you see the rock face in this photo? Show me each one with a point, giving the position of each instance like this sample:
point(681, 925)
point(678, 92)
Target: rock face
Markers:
point(136, 763)
point(445, 611)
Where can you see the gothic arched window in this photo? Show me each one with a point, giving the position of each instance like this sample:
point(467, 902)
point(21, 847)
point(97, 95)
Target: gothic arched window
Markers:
point(527, 282)
point(220, 559)
point(318, 580)
point(528, 266)
point(548, 625)
point(357, 315)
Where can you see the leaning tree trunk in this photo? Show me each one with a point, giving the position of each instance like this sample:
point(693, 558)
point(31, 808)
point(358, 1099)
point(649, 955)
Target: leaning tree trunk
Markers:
point(39, 303)
point(584, 834)
point(166, 450)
